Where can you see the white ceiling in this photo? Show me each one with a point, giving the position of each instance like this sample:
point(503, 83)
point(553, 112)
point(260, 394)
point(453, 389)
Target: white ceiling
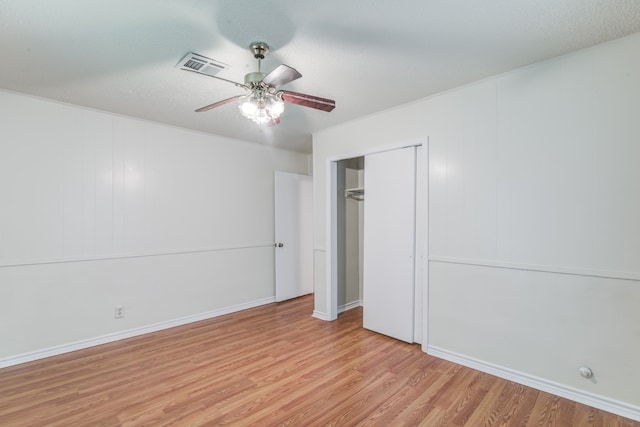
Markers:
point(368, 55)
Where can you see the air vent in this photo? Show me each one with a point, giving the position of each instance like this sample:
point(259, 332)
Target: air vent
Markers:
point(201, 64)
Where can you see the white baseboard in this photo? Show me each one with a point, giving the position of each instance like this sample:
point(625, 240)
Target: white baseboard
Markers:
point(91, 342)
point(320, 315)
point(349, 306)
point(323, 316)
point(606, 404)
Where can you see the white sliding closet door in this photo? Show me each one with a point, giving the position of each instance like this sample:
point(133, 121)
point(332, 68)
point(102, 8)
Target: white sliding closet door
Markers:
point(389, 242)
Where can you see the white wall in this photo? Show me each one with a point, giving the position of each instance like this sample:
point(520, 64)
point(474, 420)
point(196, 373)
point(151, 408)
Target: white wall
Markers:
point(534, 238)
point(99, 210)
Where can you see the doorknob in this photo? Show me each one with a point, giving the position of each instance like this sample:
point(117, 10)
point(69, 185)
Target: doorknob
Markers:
point(279, 245)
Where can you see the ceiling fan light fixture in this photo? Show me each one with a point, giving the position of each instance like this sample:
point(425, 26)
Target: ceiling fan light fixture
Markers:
point(274, 105)
point(248, 105)
point(260, 106)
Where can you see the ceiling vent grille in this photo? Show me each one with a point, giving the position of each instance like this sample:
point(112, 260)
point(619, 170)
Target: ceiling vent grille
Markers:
point(201, 64)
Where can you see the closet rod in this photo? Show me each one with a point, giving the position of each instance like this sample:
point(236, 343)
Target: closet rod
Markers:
point(354, 193)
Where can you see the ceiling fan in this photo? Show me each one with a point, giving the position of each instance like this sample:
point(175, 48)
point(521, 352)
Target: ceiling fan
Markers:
point(264, 102)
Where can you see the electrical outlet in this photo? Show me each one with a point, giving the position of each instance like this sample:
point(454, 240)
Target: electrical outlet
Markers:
point(119, 312)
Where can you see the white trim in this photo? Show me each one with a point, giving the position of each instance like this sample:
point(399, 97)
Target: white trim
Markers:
point(331, 255)
point(320, 315)
point(623, 275)
point(425, 251)
point(606, 404)
point(349, 306)
point(128, 255)
point(375, 150)
point(116, 336)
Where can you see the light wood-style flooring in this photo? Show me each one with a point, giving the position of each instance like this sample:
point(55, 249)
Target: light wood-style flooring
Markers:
point(269, 366)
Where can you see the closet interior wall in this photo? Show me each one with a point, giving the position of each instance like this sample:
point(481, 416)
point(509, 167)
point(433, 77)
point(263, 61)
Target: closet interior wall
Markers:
point(350, 232)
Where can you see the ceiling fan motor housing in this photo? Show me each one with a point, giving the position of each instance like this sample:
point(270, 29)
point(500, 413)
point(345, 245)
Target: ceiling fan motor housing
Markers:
point(259, 49)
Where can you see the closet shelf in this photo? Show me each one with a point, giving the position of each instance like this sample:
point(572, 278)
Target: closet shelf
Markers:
point(354, 193)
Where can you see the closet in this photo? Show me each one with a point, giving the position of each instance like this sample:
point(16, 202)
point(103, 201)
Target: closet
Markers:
point(380, 238)
point(350, 200)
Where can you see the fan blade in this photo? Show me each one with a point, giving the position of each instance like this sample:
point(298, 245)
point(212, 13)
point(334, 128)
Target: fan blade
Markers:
point(316, 102)
point(219, 78)
point(282, 75)
point(217, 104)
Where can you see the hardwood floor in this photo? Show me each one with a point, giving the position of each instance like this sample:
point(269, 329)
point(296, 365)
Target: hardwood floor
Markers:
point(268, 366)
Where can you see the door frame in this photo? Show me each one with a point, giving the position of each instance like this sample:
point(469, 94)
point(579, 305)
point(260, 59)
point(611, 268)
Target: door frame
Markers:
point(331, 227)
